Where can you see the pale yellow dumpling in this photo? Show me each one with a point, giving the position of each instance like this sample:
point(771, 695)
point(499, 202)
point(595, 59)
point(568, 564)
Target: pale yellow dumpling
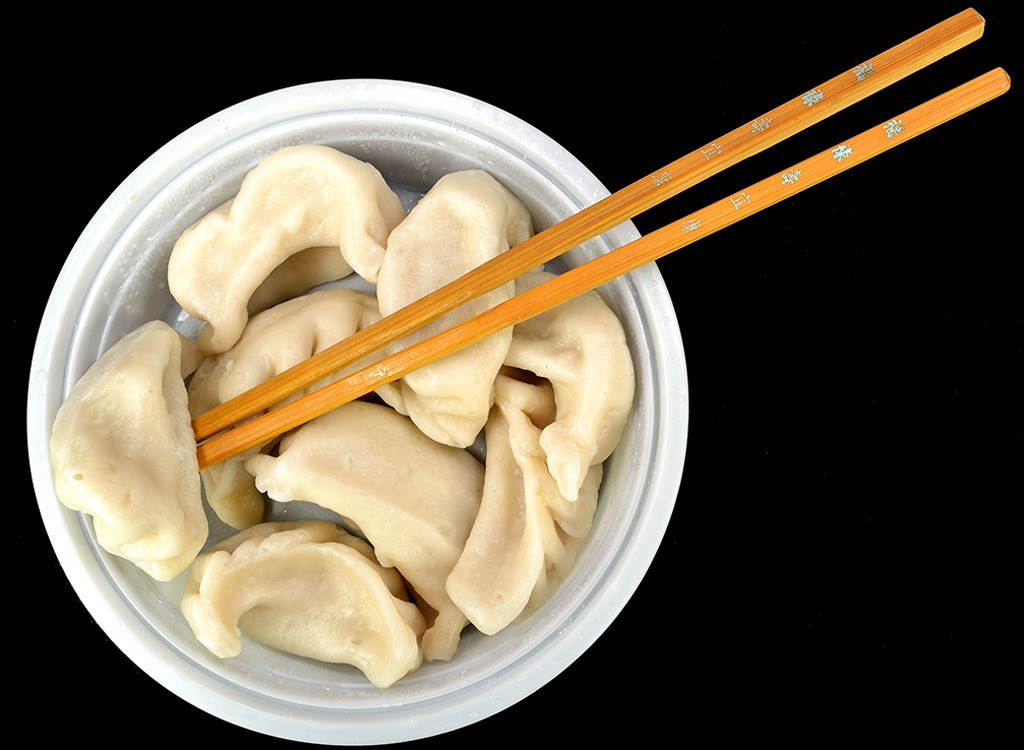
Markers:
point(526, 535)
point(464, 220)
point(297, 275)
point(413, 498)
point(123, 452)
point(272, 342)
point(308, 588)
point(579, 347)
point(298, 198)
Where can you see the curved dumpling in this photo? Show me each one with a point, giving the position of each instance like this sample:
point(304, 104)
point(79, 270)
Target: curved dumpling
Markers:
point(465, 219)
point(297, 275)
point(526, 535)
point(297, 198)
point(580, 347)
point(413, 499)
point(123, 452)
point(273, 341)
point(308, 588)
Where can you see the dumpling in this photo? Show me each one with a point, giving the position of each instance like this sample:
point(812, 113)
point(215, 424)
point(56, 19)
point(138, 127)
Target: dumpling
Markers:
point(307, 588)
point(273, 341)
point(580, 347)
point(465, 219)
point(123, 452)
point(412, 498)
point(526, 536)
point(298, 198)
point(297, 275)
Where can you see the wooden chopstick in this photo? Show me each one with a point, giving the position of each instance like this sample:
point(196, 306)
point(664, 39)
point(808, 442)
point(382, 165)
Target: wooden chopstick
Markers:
point(604, 268)
point(748, 139)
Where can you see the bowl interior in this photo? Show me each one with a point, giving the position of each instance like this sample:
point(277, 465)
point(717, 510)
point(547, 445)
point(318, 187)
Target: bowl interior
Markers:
point(115, 280)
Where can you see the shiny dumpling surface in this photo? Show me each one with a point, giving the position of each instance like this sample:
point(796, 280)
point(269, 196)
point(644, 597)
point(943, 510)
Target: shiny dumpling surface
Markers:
point(464, 220)
point(297, 198)
point(308, 588)
point(273, 341)
point(580, 347)
point(297, 275)
point(526, 535)
point(414, 499)
point(123, 452)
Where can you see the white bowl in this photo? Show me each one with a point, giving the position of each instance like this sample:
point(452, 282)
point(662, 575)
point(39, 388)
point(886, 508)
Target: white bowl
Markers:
point(115, 279)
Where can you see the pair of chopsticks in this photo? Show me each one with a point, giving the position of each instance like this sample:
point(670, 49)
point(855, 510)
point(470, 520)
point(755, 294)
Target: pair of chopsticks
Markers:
point(216, 432)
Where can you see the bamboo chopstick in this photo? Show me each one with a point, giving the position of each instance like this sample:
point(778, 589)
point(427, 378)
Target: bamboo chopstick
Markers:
point(746, 140)
point(602, 269)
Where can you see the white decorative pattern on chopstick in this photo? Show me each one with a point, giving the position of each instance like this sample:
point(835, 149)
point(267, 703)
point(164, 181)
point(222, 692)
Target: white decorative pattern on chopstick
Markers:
point(746, 140)
point(603, 269)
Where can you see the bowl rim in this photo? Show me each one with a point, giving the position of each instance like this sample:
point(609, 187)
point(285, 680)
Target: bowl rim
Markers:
point(67, 529)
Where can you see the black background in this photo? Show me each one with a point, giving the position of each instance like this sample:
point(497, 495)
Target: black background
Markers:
point(840, 552)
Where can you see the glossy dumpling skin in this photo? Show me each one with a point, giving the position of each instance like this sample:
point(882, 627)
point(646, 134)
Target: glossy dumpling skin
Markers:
point(308, 588)
point(298, 198)
point(465, 219)
point(123, 452)
point(297, 275)
point(580, 348)
point(273, 341)
point(526, 536)
point(413, 498)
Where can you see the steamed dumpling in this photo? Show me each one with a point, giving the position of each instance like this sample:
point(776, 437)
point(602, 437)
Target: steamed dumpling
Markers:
point(297, 198)
point(526, 535)
point(273, 341)
point(297, 275)
point(123, 452)
point(413, 498)
point(308, 588)
point(465, 219)
point(580, 348)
